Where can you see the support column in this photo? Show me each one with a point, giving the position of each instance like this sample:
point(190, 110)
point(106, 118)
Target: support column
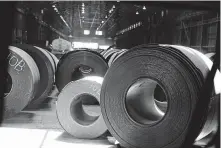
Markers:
point(19, 33)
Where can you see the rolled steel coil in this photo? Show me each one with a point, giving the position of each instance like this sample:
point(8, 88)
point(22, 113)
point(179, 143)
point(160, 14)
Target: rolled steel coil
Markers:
point(78, 64)
point(130, 111)
point(71, 113)
point(22, 81)
point(42, 60)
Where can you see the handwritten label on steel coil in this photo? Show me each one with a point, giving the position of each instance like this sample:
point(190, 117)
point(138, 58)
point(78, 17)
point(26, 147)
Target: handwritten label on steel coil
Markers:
point(95, 88)
point(15, 62)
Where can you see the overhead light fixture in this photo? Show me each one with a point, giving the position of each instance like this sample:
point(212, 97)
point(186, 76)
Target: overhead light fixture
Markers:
point(113, 6)
point(82, 4)
point(102, 21)
point(83, 12)
point(53, 5)
point(137, 13)
point(144, 8)
point(105, 16)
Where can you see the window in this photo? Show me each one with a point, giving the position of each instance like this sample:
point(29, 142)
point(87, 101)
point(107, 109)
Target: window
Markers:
point(85, 45)
point(98, 32)
point(86, 32)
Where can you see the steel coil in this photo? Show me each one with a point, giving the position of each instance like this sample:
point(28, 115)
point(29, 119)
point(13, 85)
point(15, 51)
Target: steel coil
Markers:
point(131, 113)
point(22, 81)
point(71, 113)
point(78, 64)
point(45, 67)
point(109, 52)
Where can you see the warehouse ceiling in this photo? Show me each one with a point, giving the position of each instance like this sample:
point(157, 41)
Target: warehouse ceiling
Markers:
point(72, 17)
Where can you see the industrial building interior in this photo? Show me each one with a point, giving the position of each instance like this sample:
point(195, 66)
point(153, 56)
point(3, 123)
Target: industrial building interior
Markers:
point(112, 32)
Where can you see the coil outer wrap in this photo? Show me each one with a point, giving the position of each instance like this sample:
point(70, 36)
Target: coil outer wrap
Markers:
point(25, 78)
point(45, 67)
point(68, 66)
point(181, 73)
point(69, 108)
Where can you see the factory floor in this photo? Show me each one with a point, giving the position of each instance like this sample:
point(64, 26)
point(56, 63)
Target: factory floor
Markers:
point(41, 129)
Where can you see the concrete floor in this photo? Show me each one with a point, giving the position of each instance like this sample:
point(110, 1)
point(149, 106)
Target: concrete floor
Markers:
point(41, 129)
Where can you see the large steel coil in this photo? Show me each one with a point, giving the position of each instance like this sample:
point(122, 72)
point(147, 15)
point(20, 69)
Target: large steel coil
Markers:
point(78, 64)
point(45, 67)
point(131, 112)
point(78, 120)
point(22, 81)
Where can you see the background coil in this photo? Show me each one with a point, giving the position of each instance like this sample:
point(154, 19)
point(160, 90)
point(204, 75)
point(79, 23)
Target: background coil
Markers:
point(109, 53)
point(78, 64)
point(72, 117)
point(120, 53)
point(112, 54)
point(55, 59)
point(179, 71)
point(46, 53)
point(211, 55)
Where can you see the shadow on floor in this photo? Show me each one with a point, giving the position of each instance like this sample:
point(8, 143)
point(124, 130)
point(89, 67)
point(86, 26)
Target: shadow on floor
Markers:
point(65, 137)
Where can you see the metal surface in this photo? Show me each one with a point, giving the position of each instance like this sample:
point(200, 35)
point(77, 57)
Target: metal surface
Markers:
point(54, 58)
point(120, 54)
point(210, 55)
point(140, 102)
point(110, 61)
point(46, 73)
point(69, 64)
point(48, 56)
point(109, 52)
point(180, 71)
point(71, 113)
point(24, 81)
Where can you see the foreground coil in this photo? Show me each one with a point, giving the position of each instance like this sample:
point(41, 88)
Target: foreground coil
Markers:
point(22, 81)
point(71, 113)
point(42, 60)
point(128, 104)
